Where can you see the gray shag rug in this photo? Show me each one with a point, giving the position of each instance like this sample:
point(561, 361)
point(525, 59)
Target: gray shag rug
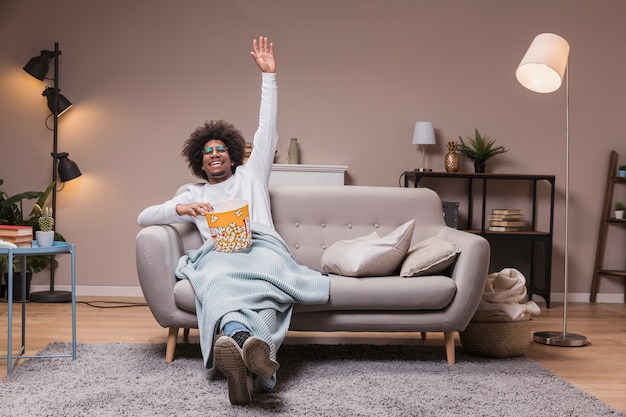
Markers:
point(115, 379)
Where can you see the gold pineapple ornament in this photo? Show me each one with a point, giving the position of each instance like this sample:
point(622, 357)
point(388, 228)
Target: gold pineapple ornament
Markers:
point(452, 159)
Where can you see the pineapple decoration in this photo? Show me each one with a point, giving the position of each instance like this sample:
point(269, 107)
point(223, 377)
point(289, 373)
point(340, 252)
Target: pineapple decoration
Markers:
point(46, 221)
point(452, 159)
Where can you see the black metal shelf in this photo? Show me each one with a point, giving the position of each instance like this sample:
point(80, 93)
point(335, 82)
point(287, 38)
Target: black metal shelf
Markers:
point(541, 241)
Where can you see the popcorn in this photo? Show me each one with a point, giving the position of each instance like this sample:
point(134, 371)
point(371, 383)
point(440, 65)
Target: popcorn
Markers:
point(230, 226)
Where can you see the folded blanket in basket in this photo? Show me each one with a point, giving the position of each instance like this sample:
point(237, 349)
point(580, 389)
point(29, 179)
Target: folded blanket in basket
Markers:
point(503, 298)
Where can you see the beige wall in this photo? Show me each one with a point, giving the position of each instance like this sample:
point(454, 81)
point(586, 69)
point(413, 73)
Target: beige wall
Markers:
point(354, 77)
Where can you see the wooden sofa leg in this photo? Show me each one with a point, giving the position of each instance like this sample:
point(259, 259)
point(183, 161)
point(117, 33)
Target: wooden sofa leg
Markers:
point(171, 344)
point(424, 335)
point(186, 333)
point(449, 339)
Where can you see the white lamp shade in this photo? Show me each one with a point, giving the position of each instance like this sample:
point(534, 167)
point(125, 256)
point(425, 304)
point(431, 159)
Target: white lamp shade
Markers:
point(543, 67)
point(424, 134)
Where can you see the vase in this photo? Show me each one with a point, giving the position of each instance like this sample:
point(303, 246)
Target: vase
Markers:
point(44, 239)
point(479, 168)
point(293, 152)
point(622, 173)
point(619, 214)
point(452, 159)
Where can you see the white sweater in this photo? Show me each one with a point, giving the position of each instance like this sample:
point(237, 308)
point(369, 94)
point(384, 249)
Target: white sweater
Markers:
point(250, 181)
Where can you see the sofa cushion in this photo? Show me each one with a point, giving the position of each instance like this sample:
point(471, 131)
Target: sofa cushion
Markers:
point(369, 255)
point(372, 293)
point(430, 256)
point(388, 293)
point(184, 296)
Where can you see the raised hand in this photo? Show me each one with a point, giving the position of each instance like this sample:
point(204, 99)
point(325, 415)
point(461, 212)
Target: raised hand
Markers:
point(263, 54)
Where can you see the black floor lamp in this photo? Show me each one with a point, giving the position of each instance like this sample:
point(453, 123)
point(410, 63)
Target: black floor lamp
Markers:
point(63, 168)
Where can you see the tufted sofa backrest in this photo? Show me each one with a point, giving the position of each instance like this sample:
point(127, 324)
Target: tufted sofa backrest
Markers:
point(311, 218)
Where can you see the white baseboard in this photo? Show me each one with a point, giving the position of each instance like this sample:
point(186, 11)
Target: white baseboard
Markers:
point(118, 291)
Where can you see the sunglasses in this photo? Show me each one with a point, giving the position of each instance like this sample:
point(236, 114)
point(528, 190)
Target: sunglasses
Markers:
point(219, 149)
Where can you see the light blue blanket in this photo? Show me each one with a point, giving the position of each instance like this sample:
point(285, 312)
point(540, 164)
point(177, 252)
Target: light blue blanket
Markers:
point(257, 287)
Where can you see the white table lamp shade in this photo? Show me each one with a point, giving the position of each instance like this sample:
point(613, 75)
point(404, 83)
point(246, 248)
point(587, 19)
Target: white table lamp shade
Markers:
point(424, 134)
point(543, 67)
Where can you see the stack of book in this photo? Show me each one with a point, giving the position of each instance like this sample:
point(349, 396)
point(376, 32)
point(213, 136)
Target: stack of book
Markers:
point(506, 220)
point(22, 236)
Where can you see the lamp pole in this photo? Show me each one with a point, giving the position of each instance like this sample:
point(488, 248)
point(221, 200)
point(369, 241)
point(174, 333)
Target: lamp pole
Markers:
point(53, 296)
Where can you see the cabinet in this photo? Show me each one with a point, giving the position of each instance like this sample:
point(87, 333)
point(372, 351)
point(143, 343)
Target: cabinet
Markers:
point(540, 241)
point(301, 174)
point(607, 219)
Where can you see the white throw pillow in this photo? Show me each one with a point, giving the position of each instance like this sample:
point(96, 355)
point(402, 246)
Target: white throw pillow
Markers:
point(369, 255)
point(429, 257)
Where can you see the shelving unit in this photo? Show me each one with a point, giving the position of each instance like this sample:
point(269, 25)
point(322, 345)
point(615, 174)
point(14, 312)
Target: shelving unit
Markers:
point(540, 261)
point(607, 219)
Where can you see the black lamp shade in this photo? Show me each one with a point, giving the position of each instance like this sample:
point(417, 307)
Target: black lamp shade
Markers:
point(63, 103)
point(38, 66)
point(68, 170)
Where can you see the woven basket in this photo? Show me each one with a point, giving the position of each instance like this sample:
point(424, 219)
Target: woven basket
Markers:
point(497, 339)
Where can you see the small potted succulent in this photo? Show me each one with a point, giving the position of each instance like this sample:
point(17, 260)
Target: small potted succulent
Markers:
point(622, 170)
point(619, 209)
point(45, 234)
point(479, 149)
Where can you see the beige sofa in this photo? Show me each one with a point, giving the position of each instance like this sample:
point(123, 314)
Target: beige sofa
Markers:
point(310, 219)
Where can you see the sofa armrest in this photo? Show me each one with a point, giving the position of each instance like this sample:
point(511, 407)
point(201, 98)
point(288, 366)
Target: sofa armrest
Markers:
point(469, 272)
point(157, 251)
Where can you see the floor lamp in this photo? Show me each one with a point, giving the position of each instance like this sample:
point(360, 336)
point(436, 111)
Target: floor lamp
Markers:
point(61, 164)
point(542, 70)
point(424, 134)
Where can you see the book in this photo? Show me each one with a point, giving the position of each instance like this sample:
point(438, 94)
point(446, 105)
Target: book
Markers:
point(506, 211)
point(11, 231)
point(505, 229)
point(505, 216)
point(17, 239)
point(509, 223)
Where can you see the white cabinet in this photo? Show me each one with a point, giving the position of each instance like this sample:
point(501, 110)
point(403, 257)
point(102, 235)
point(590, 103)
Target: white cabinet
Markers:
point(301, 174)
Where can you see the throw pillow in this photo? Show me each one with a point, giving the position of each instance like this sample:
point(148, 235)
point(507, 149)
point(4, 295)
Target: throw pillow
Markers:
point(369, 255)
point(429, 257)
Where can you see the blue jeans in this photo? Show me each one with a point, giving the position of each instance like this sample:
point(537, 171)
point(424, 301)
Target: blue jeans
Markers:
point(233, 327)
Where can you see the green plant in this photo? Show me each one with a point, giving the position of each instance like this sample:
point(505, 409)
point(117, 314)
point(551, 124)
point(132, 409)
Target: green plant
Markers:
point(619, 205)
point(480, 148)
point(622, 167)
point(12, 213)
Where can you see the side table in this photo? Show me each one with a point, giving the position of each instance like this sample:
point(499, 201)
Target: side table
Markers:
point(57, 248)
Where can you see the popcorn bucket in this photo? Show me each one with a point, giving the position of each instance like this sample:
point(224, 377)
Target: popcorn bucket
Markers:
point(230, 225)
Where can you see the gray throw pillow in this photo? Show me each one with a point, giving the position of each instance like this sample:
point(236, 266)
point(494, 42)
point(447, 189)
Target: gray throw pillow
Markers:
point(429, 257)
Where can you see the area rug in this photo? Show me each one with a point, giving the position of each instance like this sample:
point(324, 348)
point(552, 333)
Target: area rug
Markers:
point(314, 380)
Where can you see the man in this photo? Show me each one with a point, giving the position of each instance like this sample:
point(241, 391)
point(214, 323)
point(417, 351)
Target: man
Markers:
point(234, 293)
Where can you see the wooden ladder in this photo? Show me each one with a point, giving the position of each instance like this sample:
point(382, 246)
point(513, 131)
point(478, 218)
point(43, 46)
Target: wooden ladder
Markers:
point(607, 219)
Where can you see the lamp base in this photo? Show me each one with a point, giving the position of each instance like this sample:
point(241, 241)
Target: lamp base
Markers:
point(51, 297)
point(560, 339)
point(423, 170)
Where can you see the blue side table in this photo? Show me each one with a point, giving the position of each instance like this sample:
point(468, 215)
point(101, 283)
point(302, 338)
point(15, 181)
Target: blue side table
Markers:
point(58, 248)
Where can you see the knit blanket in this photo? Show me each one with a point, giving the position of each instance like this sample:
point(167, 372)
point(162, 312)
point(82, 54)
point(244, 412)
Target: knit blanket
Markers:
point(503, 298)
point(257, 287)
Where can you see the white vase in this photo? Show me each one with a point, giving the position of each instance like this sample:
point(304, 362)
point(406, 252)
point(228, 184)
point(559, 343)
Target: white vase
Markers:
point(44, 239)
point(619, 214)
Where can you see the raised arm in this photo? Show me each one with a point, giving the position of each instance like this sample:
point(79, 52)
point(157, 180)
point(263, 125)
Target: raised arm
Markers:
point(263, 54)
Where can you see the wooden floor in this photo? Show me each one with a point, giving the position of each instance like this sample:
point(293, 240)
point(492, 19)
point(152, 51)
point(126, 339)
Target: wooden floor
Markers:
point(598, 368)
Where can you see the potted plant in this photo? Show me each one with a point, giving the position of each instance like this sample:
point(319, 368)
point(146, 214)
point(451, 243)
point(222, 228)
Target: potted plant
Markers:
point(622, 170)
point(619, 209)
point(12, 213)
point(479, 149)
